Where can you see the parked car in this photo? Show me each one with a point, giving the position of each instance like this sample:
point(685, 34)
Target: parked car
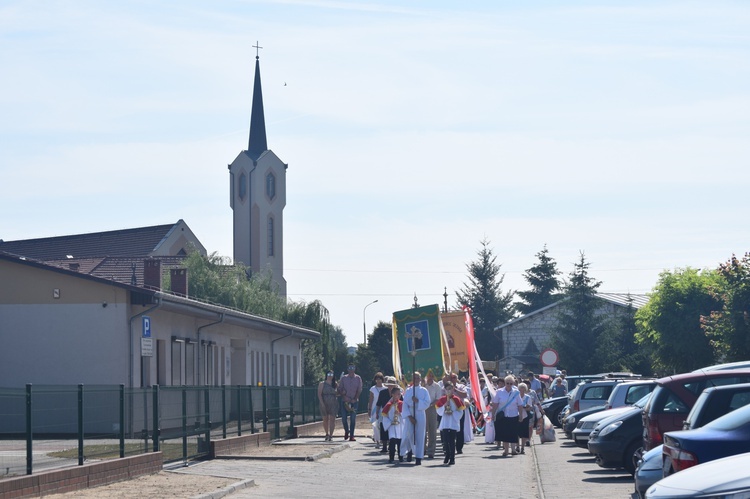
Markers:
point(674, 396)
point(711, 404)
point(591, 394)
point(743, 364)
point(648, 471)
point(629, 392)
point(587, 424)
point(571, 421)
point(723, 478)
point(716, 401)
point(553, 408)
point(615, 440)
point(722, 437)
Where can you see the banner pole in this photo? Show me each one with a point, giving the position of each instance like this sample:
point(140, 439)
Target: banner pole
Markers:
point(414, 390)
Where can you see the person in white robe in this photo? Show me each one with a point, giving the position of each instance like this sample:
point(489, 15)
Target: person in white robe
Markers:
point(416, 402)
point(393, 423)
point(451, 409)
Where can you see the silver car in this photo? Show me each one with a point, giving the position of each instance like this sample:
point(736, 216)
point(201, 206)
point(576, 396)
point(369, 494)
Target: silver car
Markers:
point(722, 478)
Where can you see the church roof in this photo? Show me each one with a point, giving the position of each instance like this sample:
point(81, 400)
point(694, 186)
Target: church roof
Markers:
point(138, 242)
point(257, 144)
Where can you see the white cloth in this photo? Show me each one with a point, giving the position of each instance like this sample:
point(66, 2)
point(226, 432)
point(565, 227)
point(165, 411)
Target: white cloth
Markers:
point(392, 423)
point(450, 421)
point(413, 437)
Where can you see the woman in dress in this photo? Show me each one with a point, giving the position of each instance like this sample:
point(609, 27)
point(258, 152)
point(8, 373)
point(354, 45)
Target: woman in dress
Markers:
point(372, 407)
point(525, 416)
point(328, 403)
point(505, 407)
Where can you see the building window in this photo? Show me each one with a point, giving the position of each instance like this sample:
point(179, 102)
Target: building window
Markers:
point(190, 363)
point(243, 187)
point(177, 362)
point(270, 236)
point(208, 364)
point(271, 186)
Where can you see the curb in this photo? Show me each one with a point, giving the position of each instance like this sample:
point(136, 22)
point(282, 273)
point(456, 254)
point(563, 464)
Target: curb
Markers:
point(227, 490)
point(313, 457)
point(539, 488)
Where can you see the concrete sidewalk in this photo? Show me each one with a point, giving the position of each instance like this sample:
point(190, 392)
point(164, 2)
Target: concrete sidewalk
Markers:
point(546, 471)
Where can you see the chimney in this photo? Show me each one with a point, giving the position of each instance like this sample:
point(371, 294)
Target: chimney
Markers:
point(152, 274)
point(179, 282)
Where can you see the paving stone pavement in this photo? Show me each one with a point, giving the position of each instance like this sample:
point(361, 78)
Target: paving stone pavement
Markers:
point(359, 470)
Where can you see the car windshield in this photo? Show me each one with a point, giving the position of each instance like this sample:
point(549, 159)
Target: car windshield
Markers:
point(734, 419)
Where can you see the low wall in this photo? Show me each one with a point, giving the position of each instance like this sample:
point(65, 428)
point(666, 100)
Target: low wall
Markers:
point(81, 477)
point(238, 445)
point(309, 429)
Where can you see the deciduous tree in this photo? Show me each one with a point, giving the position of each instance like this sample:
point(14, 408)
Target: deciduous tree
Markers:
point(728, 329)
point(670, 323)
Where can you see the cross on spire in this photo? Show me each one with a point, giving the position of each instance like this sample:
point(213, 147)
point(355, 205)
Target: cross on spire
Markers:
point(257, 47)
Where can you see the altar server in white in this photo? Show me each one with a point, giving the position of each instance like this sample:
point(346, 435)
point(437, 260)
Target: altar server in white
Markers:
point(416, 402)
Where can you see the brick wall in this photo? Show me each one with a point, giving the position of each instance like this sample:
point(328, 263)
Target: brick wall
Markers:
point(237, 445)
point(81, 477)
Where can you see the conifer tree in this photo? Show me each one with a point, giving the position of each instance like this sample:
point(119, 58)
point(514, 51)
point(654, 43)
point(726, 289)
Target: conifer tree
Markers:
point(579, 325)
point(543, 282)
point(490, 306)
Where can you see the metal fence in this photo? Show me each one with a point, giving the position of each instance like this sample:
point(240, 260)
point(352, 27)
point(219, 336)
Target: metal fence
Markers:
point(50, 426)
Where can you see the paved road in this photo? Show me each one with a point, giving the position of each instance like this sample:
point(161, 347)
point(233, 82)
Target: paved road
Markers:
point(359, 470)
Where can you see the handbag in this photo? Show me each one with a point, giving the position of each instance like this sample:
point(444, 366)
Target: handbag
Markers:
point(501, 412)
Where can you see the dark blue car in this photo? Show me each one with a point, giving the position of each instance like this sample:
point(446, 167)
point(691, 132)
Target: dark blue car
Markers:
point(726, 436)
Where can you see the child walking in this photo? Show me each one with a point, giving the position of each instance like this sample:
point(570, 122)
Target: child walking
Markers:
point(450, 408)
point(393, 424)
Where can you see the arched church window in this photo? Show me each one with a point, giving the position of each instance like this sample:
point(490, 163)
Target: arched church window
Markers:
point(270, 236)
point(271, 186)
point(242, 187)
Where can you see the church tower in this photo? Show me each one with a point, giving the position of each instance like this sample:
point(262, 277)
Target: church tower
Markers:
point(257, 193)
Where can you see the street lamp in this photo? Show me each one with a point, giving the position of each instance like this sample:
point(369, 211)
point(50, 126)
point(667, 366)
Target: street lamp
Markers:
point(364, 320)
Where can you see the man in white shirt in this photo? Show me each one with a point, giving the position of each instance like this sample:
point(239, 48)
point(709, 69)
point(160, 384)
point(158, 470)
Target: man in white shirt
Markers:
point(416, 402)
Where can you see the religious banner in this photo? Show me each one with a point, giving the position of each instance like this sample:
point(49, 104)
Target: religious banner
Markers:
point(454, 324)
point(417, 341)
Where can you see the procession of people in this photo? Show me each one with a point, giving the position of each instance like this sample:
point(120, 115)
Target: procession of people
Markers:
point(408, 417)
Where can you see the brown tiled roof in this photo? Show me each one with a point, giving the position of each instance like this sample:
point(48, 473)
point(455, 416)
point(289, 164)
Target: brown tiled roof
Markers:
point(138, 242)
point(118, 269)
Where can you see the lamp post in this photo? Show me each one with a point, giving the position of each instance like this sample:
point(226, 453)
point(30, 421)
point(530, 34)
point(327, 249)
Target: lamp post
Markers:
point(364, 320)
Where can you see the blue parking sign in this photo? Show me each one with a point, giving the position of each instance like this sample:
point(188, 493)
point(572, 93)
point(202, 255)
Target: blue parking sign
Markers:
point(146, 326)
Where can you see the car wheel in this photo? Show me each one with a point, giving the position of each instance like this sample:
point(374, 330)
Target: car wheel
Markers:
point(630, 457)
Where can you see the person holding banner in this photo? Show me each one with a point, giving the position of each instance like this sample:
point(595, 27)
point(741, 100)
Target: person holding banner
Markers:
point(416, 402)
point(505, 408)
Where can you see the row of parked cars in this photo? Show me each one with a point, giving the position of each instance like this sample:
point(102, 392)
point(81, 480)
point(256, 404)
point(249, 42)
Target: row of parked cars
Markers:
point(655, 428)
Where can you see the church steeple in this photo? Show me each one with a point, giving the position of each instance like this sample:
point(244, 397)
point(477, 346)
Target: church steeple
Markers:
point(257, 144)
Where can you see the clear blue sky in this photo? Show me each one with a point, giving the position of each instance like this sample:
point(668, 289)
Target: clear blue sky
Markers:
point(412, 130)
